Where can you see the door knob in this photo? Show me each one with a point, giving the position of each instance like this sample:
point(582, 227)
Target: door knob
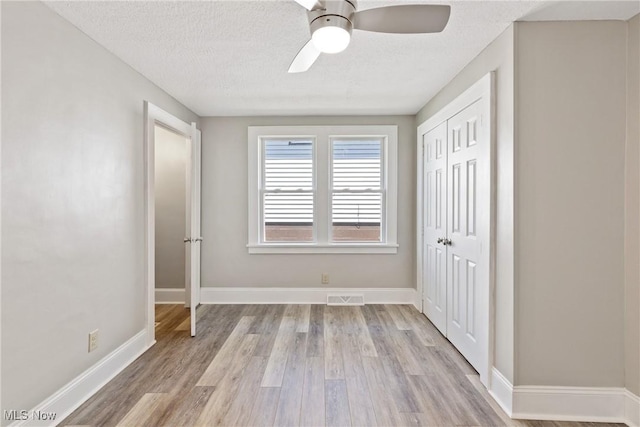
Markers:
point(446, 242)
point(187, 240)
point(440, 239)
point(198, 239)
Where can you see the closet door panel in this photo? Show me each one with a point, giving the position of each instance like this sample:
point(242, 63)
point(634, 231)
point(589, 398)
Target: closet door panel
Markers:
point(435, 226)
point(463, 249)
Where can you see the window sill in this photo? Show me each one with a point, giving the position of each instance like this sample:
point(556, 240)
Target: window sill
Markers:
point(345, 248)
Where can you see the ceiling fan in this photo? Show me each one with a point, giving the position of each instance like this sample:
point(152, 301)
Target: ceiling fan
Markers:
point(332, 21)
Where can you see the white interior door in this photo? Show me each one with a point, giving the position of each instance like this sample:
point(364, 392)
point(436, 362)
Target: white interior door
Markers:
point(467, 311)
point(435, 226)
point(195, 238)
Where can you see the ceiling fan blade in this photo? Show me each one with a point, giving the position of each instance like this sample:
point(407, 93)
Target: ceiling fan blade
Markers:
point(404, 19)
point(305, 58)
point(310, 4)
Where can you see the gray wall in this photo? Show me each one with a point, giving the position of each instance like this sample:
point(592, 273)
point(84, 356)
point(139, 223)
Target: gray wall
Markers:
point(632, 211)
point(498, 57)
point(171, 199)
point(72, 201)
point(225, 261)
point(571, 119)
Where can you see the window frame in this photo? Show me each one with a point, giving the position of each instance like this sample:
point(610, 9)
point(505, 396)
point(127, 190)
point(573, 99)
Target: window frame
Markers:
point(322, 137)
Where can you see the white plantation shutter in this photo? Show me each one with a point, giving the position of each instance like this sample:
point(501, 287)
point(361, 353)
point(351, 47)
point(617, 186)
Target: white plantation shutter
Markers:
point(357, 193)
point(287, 185)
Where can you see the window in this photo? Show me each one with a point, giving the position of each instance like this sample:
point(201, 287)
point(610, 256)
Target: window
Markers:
point(322, 189)
point(356, 189)
point(288, 190)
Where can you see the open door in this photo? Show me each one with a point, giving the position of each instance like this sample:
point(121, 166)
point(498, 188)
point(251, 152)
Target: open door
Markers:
point(193, 240)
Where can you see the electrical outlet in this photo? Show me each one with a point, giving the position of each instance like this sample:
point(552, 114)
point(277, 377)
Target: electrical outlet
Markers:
point(93, 340)
point(325, 278)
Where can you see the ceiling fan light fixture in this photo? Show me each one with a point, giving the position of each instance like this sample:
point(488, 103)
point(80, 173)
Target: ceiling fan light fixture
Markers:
point(331, 39)
point(331, 33)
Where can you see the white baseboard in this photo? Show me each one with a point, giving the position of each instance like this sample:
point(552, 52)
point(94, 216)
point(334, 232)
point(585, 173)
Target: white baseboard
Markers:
point(303, 295)
point(632, 409)
point(502, 391)
point(170, 295)
point(587, 404)
point(71, 396)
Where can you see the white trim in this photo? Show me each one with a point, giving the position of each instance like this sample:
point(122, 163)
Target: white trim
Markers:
point(322, 249)
point(631, 409)
point(66, 400)
point(482, 89)
point(167, 119)
point(233, 295)
point(586, 404)
point(502, 391)
point(322, 136)
point(170, 295)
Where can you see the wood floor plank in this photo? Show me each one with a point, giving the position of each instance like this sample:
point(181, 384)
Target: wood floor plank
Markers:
point(383, 405)
point(424, 330)
point(398, 317)
point(333, 364)
point(240, 411)
point(399, 345)
point(274, 373)
point(315, 341)
point(185, 407)
point(360, 403)
point(430, 400)
point(312, 411)
point(300, 312)
point(336, 403)
point(377, 331)
point(173, 316)
point(398, 385)
point(226, 391)
point(446, 386)
point(290, 403)
point(220, 364)
point(149, 405)
point(359, 332)
point(264, 409)
point(188, 362)
point(267, 328)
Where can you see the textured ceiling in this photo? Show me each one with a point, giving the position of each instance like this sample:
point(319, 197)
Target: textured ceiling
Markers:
point(222, 58)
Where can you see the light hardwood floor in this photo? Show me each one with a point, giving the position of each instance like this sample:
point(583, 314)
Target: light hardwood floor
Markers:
point(296, 365)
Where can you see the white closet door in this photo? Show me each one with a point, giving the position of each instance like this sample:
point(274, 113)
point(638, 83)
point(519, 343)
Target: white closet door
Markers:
point(467, 313)
point(435, 226)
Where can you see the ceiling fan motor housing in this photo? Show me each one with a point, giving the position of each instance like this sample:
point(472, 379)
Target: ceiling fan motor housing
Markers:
point(335, 13)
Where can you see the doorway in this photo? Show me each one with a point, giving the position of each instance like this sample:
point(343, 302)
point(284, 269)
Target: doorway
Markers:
point(456, 217)
point(172, 207)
